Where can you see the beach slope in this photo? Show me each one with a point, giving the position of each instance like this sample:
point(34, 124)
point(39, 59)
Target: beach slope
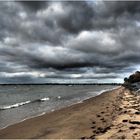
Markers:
point(98, 117)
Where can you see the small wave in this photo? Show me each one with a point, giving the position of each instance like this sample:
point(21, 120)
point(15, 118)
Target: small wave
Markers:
point(4, 107)
point(106, 90)
point(14, 105)
point(70, 85)
point(59, 97)
point(45, 99)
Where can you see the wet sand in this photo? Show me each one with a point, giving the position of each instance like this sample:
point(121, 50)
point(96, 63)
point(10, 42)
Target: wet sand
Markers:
point(109, 115)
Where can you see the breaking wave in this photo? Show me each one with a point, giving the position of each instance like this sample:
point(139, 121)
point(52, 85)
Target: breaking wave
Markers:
point(4, 107)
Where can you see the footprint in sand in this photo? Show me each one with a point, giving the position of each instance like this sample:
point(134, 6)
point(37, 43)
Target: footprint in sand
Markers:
point(98, 115)
point(102, 119)
point(119, 131)
point(93, 127)
point(132, 127)
point(124, 120)
point(103, 130)
point(134, 122)
point(137, 113)
point(121, 137)
point(125, 111)
point(83, 138)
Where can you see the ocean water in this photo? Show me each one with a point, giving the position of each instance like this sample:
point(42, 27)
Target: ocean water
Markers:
point(19, 102)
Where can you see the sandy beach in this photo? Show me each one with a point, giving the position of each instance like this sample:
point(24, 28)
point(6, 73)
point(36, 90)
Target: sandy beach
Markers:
point(113, 114)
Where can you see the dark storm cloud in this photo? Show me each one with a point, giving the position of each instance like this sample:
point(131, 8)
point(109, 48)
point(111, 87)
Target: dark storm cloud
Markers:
point(34, 5)
point(117, 8)
point(75, 40)
point(78, 16)
point(115, 14)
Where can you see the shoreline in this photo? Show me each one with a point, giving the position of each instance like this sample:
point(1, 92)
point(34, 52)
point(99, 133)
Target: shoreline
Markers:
point(51, 116)
point(79, 102)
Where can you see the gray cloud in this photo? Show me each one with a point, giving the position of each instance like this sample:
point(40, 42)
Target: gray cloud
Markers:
point(78, 16)
point(118, 8)
point(34, 5)
point(73, 40)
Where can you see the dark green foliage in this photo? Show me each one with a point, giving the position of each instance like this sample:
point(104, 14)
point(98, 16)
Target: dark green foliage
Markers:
point(125, 79)
point(133, 78)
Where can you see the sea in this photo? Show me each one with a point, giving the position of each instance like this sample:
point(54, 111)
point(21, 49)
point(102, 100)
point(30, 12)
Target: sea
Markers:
point(20, 102)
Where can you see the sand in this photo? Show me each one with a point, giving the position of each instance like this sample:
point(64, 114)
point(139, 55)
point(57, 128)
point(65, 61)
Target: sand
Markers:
point(113, 114)
point(126, 124)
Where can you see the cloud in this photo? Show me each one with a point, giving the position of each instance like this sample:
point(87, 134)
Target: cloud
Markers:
point(78, 16)
point(69, 40)
point(118, 8)
point(34, 5)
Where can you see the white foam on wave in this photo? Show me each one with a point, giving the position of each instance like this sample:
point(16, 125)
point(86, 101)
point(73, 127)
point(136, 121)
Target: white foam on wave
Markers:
point(14, 105)
point(4, 107)
point(52, 110)
point(59, 97)
point(96, 93)
point(42, 114)
point(106, 90)
point(45, 99)
point(70, 85)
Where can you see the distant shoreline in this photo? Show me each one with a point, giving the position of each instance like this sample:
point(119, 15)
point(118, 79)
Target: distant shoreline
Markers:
point(64, 84)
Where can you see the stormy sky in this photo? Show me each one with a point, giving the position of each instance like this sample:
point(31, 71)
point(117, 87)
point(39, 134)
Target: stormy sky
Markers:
point(90, 41)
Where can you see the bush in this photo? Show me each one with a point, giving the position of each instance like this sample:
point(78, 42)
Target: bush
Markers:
point(133, 78)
